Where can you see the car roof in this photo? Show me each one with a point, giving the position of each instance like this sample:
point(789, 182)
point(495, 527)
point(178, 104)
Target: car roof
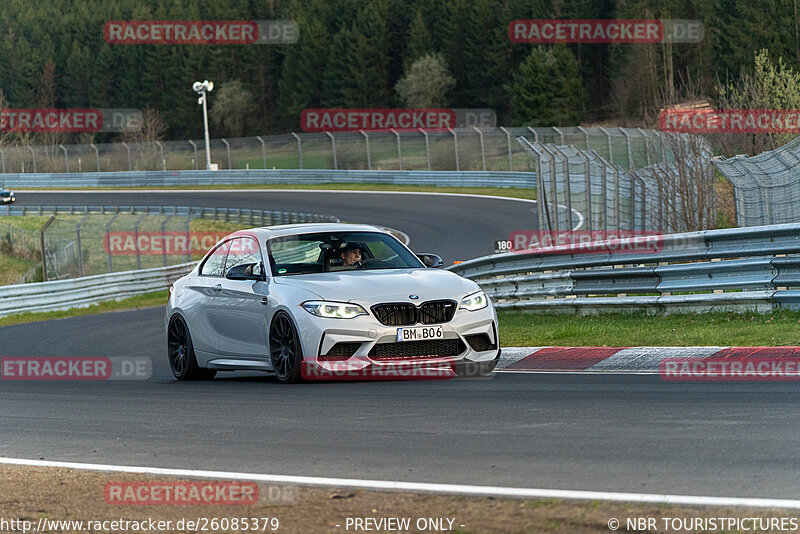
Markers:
point(269, 232)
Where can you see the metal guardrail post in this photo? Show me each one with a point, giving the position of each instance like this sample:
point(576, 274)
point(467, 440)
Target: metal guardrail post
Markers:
point(455, 146)
point(194, 160)
point(299, 150)
point(366, 141)
point(228, 150)
point(128, 149)
point(33, 155)
point(333, 148)
point(41, 244)
point(399, 152)
point(161, 151)
point(483, 147)
point(508, 142)
point(263, 150)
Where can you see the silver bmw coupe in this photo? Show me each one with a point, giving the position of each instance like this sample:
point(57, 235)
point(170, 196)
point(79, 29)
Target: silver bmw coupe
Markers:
point(327, 301)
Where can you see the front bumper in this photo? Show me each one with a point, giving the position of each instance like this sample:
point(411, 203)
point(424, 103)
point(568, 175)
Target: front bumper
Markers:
point(8, 200)
point(320, 335)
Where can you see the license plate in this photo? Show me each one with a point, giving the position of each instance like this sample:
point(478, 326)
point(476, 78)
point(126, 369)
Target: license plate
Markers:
point(420, 333)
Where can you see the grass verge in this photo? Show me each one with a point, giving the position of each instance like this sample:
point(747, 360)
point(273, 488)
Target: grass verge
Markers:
point(781, 328)
point(57, 494)
point(510, 192)
point(146, 300)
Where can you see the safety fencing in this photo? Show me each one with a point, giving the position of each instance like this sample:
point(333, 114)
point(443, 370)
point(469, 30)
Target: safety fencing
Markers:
point(270, 177)
point(767, 186)
point(740, 269)
point(459, 149)
point(86, 291)
point(75, 241)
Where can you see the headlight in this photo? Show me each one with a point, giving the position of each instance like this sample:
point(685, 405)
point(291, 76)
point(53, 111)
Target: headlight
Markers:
point(333, 310)
point(475, 301)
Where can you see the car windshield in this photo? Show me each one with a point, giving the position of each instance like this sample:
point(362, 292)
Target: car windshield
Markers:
point(338, 251)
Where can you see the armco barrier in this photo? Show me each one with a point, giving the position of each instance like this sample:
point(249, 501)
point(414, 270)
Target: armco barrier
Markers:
point(267, 177)
point(755, 268)
point(81, 292)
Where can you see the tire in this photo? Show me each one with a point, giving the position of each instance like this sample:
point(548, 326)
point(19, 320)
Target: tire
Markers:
point(180, 352)
point(285, 351)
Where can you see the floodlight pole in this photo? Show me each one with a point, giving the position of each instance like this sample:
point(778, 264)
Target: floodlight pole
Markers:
point(205, 126)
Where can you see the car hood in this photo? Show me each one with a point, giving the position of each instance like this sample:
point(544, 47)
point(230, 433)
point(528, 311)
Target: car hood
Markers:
point(394, 285)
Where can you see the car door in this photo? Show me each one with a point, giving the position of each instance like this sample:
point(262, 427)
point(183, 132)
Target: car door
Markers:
point(198, 307)
point(239, 309)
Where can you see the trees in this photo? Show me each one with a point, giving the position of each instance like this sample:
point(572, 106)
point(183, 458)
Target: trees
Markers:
point(233, 109)
point(547, 90)
point(426, 83)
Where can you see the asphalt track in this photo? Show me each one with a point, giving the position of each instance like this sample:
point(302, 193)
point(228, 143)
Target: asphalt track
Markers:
point(628, 433)
point(457, 227)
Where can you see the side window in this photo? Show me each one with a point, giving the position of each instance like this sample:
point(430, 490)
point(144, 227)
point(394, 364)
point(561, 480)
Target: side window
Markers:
point(214, 264)
point(243, 250)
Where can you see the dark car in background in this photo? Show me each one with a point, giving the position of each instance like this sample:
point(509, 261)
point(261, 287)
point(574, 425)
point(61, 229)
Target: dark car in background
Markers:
point(6, 196)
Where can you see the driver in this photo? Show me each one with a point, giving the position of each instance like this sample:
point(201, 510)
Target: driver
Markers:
point(351, 255)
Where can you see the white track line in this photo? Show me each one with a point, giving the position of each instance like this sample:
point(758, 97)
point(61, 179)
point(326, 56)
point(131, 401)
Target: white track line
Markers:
point(422, 487)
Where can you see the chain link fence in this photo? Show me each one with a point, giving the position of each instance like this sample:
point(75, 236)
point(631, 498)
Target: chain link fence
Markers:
point(59, 242)
point(766, 186)
point(459, 149)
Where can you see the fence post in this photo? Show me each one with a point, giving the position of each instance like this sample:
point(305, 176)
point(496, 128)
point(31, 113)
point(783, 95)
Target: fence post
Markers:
point(41, 243)
point(194, 146)
point(508, 142)
point(568, 186)
point(96, 156)
point(3, 156)
point(646, 145)
point(628, 147)
point(427, 146)
point(108, 230)
point(263, 150)
point(33, 154)
point(483, 148)
point(559, 132)
point(535, 135)
point(554, 187)
point(163, 237)
point(586, 135)
point(333, 148)
point(161, 151)
point(128, 148)
point(228, 149)
point(604, 186)
point(399, 152)
point(588, 184)
point(78, 241)
point(455, 145)
point(608, 141)
point(366, 140)
point(136, 236)
point(299, 150)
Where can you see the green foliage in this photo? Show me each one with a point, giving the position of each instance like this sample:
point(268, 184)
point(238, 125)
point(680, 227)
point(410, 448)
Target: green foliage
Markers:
point(426, 84)
point(233, 108)
point(547, 90)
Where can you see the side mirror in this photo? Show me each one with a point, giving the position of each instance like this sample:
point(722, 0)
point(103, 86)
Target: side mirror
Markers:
point(247, 271)
point(431, 261)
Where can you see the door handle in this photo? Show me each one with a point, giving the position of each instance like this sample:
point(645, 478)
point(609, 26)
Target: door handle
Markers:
point(217, 287)
point(265, 301)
